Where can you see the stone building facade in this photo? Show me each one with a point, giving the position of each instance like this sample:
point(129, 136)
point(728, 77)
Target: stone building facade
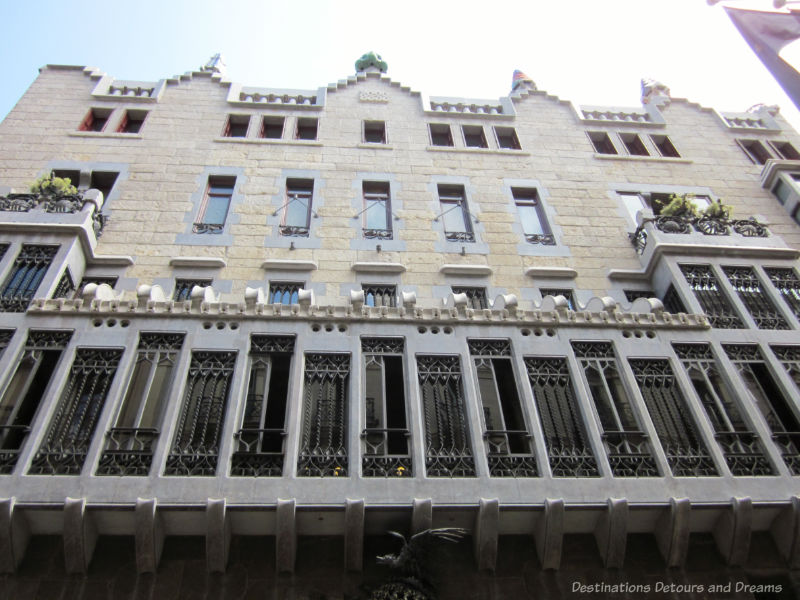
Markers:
point(273, 324)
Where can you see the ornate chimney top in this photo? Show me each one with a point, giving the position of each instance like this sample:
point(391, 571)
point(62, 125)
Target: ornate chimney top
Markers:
point(520, 80)
point(371, 62)
point(654, 91)
point(215, 64)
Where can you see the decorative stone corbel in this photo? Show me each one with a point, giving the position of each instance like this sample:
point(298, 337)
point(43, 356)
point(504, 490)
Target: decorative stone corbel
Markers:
point(555, 304)
point(409, 299)
point(253, 296)
point(14, 535)
point(604, 304)
point(218, 535)
point(80, 535)
point(421, 515)
point(549, 533)
point(353, 534)
point(507, 302)
point(202, 296)
point(357, 300)
point(672, 532)
point(486, 534)
point(611, 533)
point(149, 535)
point(305, 297)
point(285, 536)
point(648, 306)
point(785, 529)
point(732, 531)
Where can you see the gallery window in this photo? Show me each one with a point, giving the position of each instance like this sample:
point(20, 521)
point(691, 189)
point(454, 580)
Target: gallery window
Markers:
point(601, 142)
point(633, 144)
point(476, 296)
point(284, 292)
point(26, 274)
point(664, 146)
point(184, 287)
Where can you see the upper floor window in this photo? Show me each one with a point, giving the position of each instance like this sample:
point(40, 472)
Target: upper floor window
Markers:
point(214, 209)
point(272, 128)
point(297, 209)
point(284, 292)
point(633, 144)
point(476, 296)
point(377, 211)
point(474, 136)
point(755, 151)
point(636, 201)
point(65, 287)
point(534, 224)
point(132, 121)
point(601, 142)
point(441, 135)
point(785, 150)
point(664, 146)
point(27, 273)
point(184, 287)
point(380, 295)
point(566, 293)
point(507, 138)
point(455, 214)
point(236, 126)
point(375, 132)
point(306, 129)
point(95, 119)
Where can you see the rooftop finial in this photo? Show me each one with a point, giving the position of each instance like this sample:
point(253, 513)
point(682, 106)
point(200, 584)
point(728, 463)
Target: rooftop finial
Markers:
point(654, 91)
point(371, 62)
point(520, 80)
point(215, 64)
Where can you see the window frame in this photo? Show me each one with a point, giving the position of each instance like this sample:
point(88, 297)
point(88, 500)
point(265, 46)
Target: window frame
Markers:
point(233, 122)
point(370, 127)
point(95, 116)
point(295, 189)
point(139, 117)
point(201, 225)
point(545, 236)
point(601, 143)
point(182, 283)
point(294, 293)
point(634, 145)
point(665, 146)
point(374, 195)
point(751, 146)
point(451, 196)
point(501, 132)
point(271, 120)
point(303, 125)
point(434, 135)
point(467, 133)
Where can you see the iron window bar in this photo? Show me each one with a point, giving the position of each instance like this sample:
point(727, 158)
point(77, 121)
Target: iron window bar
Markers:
point(377, 460)
point(746, 283)
point(712, 299)
point(29, 269)
point(380, 295)
point(259, 452)
point(128, 451)
point(65, 287)
point(788, 284)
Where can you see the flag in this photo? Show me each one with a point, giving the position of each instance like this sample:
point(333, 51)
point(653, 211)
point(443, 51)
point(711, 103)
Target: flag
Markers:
point(767, 33)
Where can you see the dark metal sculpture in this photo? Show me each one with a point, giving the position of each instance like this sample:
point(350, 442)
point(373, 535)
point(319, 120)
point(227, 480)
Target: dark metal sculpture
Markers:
point(412, 581)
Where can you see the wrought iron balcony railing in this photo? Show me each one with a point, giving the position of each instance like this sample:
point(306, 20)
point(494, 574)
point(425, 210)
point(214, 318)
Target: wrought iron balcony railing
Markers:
point(381, 457)
point(259, 453)
point(743, 453)
point(545, 239)
point(60, 459)
point(686, 225)
point(213, 228)
point(377, 234)
point(293, 231)
point(459, 236)
point(504, 457)
point(789, 444)
point(629, 454)
point(48, 203)
point(449, 463)
point(129, 451)
point(11, 439)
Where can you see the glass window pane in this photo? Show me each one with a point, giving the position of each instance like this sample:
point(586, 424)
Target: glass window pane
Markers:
point(375, 214)
point(529, 217)
point(454, 218)
point(297, 212)
point(216, 210)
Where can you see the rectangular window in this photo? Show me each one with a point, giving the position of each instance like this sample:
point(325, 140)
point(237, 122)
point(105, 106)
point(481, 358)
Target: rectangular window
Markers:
point(474, 137)
point(184, 287)
point(66, 445)
point(95, 119)
point(633, 144)
point(712, 299)
point(297, 209)
point(741, 447)
point(683, 446)
point(195, 448)
point(260, 442)
point(386, 437)
point(455, 214)
point(476, 296)
point(627, 446)
point(306, 129)
point(25, 390)
point(284, 292)
point(790, 359)
point(601, 142)
point(664, 146)
point(132, 121)
point(236, 126)
point(375, 132)
point(508, 441)
point(448, 452)
point(565, 292)
point(272, 128)
point(130, 443)
point(568, 449)
point(380, 295)
point(782, 191)
point(103, 181)
point(26, 274)
point(216, 203)
point(323, 441)
point(755, 151)
point(507, 138)
point(788, 284)
point(531, 217)
point(65, 287)
point(778, 410)
point(441, 135)
point(377, 213)
point(746, 283)
point(785, 150)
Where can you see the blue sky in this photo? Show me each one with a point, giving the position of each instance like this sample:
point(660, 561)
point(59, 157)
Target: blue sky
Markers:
point(585, 51)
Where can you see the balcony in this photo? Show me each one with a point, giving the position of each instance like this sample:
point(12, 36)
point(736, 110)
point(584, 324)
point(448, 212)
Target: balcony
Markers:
point(509, 454)
point(129, 451)
point(386, 453)
point(259, 453)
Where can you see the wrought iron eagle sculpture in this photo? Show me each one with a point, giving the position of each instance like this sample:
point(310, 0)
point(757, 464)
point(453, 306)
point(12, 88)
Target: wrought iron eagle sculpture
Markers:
point(412, 581)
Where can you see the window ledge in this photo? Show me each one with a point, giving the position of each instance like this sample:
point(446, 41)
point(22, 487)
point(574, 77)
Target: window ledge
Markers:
point(279, 142)
point(281, 264)
point(478, 150)
point(375, 146)
point(103, 134)
point(198, 261)
point(551, 272)
point(377, 267)
point(630, 157)
point(466, 270)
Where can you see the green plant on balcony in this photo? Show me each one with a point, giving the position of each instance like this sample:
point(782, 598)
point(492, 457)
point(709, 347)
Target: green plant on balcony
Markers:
point(679, 206)
point(54, 187)
point(718, 210)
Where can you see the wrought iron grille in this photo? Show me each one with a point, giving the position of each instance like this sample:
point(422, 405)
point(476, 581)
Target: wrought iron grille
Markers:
point(184, 287)
point(65, 287)
point(284, 292)
point(672, 301)
point(777, 410)
point(790, 359)
point(715, 304)
point(479, 347)
point(627, 446)
point(323, 449)
point(380, 295)
point(447, 447)
point(788, 284)
point(260, 442)
point(567, 293)
point(568, 451)
point(64, 449)
point(743, 451)
point(745, 281)
point(131, 442)
point(27, 273)
point(5, 338)
point(379, 345)
point(293, 231)
point(633, 295)
point(686, 452)
point(476, 296)
point(195, 448)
